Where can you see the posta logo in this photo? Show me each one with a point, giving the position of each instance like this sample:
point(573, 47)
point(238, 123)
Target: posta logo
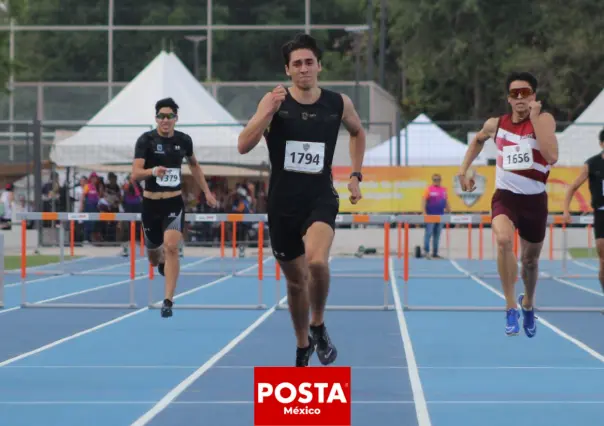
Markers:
point(294, 396)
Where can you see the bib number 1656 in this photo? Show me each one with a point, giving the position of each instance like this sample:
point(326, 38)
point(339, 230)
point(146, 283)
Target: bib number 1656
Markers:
point(520, 158)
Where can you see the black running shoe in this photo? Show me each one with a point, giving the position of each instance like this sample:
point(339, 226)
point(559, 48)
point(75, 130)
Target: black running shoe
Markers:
point(326, 351)
point(303, 354)
point(160, 269)
point(166, 309)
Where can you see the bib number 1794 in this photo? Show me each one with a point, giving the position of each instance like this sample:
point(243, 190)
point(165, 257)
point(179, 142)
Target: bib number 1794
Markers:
point(305, 158)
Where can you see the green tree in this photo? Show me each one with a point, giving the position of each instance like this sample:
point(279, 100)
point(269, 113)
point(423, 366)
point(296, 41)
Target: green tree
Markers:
point(9, 9)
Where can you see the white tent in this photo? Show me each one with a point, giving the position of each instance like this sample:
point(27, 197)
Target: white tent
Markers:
point(579, 141)
point(425, 144)
point(109, 137)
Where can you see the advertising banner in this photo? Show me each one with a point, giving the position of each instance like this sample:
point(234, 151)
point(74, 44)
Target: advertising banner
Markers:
point(401, 189)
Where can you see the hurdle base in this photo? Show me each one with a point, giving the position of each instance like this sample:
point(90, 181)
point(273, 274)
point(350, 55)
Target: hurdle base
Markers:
point(35, 273)
point(81, 305)
point(210, 307)
point(108, 274)
point(332, 274)
point(206, 273)
point(571, 276)
point(430, 276)
point(576, 309)
point(283, 306)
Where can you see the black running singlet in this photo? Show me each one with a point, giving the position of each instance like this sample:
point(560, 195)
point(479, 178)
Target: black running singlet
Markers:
point(595, 166)
point(167, 152)
point(301, 142)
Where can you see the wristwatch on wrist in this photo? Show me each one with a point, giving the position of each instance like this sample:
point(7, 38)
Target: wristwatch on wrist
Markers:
point(357, 175)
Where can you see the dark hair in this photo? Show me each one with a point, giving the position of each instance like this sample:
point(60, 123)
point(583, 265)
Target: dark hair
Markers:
point(522, 76)
point(166, 103)
point(602, 136)
point(301, 41)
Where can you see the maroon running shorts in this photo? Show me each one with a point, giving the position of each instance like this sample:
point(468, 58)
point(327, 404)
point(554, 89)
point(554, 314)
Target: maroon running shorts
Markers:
point(528, 213)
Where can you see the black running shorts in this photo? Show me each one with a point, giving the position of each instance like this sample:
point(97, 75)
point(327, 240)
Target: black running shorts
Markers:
point(599, 224)
point(161, 215)
point(287, 230)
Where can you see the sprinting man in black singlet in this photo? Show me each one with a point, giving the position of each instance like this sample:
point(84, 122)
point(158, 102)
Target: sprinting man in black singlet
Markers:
point(301, 126)
point(158, 157)
point(593, 170)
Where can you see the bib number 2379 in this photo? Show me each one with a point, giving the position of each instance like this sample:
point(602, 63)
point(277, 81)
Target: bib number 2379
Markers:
point(170, 179)
point(304, 157)
point(517, 157)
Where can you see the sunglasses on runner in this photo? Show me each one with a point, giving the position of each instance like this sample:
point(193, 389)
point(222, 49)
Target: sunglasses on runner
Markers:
point(522, 92)
point(162, 115)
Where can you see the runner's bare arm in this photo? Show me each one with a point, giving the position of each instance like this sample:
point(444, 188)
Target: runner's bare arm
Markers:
point(572, 188)
point(475, 147)
point(267, 107)
point(545, 131)
point(197, 173)
point(138, 165)
point(352, 123)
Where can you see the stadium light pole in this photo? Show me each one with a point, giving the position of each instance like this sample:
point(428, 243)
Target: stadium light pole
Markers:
point(4, 10)
point(307, 16)
point(196, 39)
point(357, 34)
point(382, 58)
point(370, 32)
point(110, 18)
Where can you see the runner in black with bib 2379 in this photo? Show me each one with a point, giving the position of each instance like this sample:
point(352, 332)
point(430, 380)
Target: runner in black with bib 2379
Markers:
point(158, 158)
point(592, 171)
point(301, 127)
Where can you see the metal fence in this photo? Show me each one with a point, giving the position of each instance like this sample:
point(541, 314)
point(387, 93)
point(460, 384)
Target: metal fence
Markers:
point(78, 102)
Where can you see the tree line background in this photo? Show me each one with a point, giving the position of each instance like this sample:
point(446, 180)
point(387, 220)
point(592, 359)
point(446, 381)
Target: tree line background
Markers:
point(446, 58)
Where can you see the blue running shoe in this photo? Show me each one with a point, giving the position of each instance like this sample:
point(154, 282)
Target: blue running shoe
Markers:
point(512, 327)
point(529, 324)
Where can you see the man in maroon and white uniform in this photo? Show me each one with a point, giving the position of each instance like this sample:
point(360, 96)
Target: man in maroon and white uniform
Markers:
point(527, 148)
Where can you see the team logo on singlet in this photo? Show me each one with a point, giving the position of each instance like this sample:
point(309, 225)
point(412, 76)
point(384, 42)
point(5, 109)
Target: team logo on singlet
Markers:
point(470, 198)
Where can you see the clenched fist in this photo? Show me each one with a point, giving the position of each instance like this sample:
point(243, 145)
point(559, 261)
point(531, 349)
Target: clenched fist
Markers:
point(466, 181)
point(271, 103)
point(535, 107)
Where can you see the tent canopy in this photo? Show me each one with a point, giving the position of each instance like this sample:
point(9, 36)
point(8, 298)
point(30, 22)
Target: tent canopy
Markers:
point(109, 137)
point(579, 141)
point(427, 145)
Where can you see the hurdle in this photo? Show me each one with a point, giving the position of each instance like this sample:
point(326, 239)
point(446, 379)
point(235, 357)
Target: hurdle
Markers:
point(467, 230)
point(349, 219)
point(470, 221)
point(61, 216)
point(71, 218)
point(234, 219)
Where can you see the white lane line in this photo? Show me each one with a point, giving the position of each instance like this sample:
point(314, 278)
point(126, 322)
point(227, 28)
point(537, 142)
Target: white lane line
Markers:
point(421, 408)
point(546, 323)
point(114, 321)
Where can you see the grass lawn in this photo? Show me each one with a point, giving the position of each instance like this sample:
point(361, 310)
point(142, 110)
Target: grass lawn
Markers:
point(14, 262)
point(581, 253)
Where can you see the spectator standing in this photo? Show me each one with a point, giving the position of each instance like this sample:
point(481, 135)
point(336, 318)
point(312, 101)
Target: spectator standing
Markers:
point(436, 202)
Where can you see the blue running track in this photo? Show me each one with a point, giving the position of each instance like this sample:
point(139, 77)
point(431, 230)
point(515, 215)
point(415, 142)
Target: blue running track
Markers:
point(101, 367)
